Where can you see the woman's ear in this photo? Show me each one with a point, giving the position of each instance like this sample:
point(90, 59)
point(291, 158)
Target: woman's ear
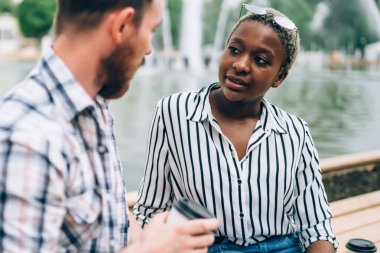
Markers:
point(280, 78)
point(122, 24)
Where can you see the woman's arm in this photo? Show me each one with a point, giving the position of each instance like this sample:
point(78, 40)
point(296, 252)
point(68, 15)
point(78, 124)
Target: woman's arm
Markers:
point(155, 190)
point(321, 247)
point(312, 213)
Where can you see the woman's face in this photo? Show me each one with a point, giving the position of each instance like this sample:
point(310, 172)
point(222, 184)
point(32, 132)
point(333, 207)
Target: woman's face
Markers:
point(250, 63)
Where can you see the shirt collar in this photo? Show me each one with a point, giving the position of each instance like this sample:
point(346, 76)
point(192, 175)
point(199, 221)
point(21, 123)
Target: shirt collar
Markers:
point(274, 121)
point(200, 109)
point(68, 95)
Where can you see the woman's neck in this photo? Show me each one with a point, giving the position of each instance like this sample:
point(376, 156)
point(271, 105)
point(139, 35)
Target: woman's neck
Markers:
point(236, 111)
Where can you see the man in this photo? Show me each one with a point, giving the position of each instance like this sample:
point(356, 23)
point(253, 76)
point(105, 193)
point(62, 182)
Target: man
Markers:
point(61, 181)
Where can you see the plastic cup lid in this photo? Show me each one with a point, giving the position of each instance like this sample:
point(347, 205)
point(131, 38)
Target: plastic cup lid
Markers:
point(191, 209)
point(361, 245)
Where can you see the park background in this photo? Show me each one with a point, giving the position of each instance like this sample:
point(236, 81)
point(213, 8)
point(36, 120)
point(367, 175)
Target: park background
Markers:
point(334, 85)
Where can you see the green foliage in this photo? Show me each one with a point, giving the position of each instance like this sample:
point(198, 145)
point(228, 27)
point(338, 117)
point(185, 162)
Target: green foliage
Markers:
point(6, 6)
point(346, 27)
point(302, 13)
point(36, 17)
point(211, 13)
point(175, 12)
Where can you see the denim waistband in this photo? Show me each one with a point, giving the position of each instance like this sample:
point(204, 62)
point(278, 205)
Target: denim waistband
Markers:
point(221, 239)
point(279, 243)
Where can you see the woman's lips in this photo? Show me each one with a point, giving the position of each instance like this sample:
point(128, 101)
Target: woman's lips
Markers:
point(235, 83)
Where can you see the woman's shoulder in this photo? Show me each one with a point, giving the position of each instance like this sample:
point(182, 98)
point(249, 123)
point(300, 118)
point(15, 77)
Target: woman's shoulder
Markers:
point(185, 98)
point(291, 120)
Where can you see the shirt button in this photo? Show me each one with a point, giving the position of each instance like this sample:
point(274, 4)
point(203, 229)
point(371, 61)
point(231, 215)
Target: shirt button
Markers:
point(239, 181)
point(241, 215)
point(102, 149)
point(113, 243)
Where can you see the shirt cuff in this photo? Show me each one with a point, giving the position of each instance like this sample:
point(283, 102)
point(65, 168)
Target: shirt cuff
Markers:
point(320, 232)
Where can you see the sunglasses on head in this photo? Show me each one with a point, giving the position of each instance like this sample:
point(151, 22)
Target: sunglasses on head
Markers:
point(258, 10)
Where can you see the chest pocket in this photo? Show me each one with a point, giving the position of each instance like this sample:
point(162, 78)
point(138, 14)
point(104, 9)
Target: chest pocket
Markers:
point(84, 204)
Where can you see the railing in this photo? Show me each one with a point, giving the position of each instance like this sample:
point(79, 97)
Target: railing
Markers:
point(351, 175)
point(333, 165)
point(343, 162)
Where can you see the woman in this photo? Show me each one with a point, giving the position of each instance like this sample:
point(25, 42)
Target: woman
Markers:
point(251, 164)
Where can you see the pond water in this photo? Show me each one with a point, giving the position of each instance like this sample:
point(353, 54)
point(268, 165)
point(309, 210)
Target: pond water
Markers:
point(342, 108)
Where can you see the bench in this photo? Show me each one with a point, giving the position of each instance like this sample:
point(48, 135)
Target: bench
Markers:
point(357, 217)
point(354, 217)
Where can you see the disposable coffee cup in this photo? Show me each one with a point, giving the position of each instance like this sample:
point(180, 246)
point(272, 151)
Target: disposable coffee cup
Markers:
point(359, 245)
point(185, 209)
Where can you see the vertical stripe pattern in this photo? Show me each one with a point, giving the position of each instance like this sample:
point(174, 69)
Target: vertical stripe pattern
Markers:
point(276, 189)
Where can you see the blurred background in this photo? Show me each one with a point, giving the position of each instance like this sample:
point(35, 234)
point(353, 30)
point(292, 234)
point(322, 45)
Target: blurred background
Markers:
point(334, 84)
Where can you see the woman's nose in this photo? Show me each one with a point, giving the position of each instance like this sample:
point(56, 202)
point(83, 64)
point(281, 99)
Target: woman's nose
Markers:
point(242, 64)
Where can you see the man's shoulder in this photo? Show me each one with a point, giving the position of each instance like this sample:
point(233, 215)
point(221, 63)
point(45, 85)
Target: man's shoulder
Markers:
point(28, 106)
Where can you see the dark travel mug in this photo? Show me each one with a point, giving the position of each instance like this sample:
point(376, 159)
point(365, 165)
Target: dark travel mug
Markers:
point(359, 245)
point(185, 209)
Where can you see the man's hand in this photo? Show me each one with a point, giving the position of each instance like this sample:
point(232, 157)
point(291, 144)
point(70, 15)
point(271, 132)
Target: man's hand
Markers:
point(193, 236)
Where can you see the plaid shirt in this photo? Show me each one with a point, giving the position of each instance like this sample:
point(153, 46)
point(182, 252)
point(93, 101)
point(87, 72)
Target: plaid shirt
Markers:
point(61, 180)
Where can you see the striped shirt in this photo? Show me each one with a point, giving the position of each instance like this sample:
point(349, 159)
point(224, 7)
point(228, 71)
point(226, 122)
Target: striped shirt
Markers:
point(61, 181)
point(275, 189)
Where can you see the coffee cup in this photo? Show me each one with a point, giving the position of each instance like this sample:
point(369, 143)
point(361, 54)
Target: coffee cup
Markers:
point(185, 209)
point(359, 245)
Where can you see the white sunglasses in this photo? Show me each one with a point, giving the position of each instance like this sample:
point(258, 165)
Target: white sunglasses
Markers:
point(257, 10)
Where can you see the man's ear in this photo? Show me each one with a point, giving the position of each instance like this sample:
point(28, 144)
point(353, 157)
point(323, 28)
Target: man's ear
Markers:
point(122, 24)
point(281, 77)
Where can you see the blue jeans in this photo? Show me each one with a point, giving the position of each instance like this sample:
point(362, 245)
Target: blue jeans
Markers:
point(279, 244)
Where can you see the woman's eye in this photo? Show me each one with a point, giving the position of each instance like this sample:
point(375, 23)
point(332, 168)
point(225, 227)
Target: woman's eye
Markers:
point(261, 61)
point(233, 50)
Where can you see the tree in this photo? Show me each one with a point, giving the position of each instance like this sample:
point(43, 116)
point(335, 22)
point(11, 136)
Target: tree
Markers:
point(175, 12)
point(211, 13)
point(36, 17)
point(6, 6)
point(346, 27)
point(301, 12)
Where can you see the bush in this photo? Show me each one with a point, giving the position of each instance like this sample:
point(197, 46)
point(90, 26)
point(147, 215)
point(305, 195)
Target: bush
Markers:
point(36, 17)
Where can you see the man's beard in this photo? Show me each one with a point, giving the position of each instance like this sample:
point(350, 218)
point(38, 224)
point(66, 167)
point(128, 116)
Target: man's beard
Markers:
point(116, 71)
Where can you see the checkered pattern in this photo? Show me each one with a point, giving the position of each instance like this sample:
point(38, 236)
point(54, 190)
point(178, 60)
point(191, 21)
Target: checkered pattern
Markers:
point(61, 179)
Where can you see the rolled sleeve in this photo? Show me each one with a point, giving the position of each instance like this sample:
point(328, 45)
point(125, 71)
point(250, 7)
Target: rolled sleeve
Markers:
point(320, 232)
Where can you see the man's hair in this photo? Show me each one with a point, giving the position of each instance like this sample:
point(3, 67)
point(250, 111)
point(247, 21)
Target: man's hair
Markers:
point(87, 14)
point(289, 38)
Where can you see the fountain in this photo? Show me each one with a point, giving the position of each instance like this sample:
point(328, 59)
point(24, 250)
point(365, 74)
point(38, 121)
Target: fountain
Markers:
point(372, 51)
point(220, 31)
point(372, 15)
point(227, 6)
point(190, 48)
point(191, 35)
